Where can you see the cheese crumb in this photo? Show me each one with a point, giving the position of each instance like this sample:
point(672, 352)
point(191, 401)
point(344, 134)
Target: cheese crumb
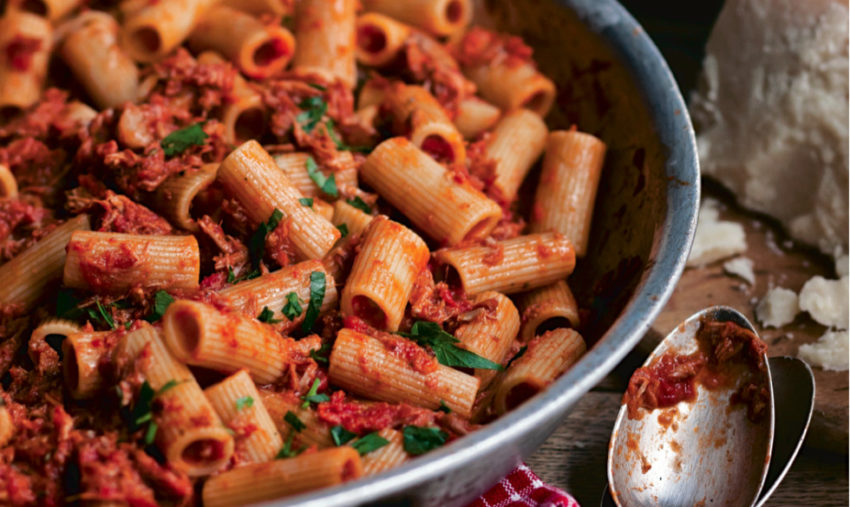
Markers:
point(715, 239)
point(778, 307)
point(826, 301)
point(741, 267)
point(830, 352)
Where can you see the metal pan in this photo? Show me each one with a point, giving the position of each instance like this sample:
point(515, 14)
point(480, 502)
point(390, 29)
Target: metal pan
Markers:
point(612, 82)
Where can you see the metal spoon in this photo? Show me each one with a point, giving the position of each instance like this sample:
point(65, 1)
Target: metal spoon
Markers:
point(794, 401)
point(696, 453)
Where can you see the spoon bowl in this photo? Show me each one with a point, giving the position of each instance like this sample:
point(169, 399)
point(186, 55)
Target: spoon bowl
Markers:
point(704, 452)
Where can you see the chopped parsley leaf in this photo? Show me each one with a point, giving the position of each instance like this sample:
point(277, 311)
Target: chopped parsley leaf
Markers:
point(292, 309)
point(306, 201)
point(430, 334)
point(327, 184)
point(161, 301)
point(341, 435)
point(369, 443)
point(294, 421)
point(267, 316)
point(313, 109)
point(419, 440)
point(321, 355)
point(244, 402)
point(180, 140)
point(343, 230)
point(360, 204)
point(317, 296)
point(312, 395)
point(257, 243)
point(444, 408)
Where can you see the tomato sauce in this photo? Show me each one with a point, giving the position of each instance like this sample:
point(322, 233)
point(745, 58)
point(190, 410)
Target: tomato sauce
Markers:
point(726, 353)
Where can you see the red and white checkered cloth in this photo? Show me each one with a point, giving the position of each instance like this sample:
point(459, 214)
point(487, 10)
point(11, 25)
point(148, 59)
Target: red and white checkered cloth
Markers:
point(522, 488)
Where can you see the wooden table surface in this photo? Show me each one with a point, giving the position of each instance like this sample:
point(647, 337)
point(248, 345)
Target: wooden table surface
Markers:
point(574, 457)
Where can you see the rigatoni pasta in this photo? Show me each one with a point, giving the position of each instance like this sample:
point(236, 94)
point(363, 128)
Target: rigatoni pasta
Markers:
point(267, 481)
point(115, 262)
point(325, 31)
point(567, 189)
point(251, 175)
point(342, 276)
point(413, 182)
point(547, 357)
point(390, 258)
point(199, 334)
point(509, 266)
point(237, 402)
point(366, 366)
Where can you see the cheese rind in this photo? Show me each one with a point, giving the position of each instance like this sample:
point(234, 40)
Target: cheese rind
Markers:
point(831, 352)
point(771, 113)
point(778, 307)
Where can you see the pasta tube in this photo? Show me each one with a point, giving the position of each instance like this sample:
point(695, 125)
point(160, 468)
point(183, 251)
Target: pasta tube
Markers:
point(567, 189)
point(547, 308)
point(490, 335)
point(251, 176)
point(25, 45)
point(272, 290)
point(417, 114)
point(383, 274)
point(114, 262)
point(514, 145)
point(285, 477)
point(199, 334)
point(295, 167)
point(81, 353)
point(316, 432)
point(243, 114)
point(438, 17)
point(258, 50)
point(512, 84)
point(388, 456)
point(155, 30)
point(364, 366)
point(189, 432)
point(236, 400)
point(23, 279)
point(546, 358)
point(174, 196)
point(8, 183)
point(355, 220)
point(53, 10)
point(260, 7)
point(475, 116)
point(50, 327)
point(425, 192)
point(510, 266)
point(379, 39)
point(324, 30)
point(91, 51)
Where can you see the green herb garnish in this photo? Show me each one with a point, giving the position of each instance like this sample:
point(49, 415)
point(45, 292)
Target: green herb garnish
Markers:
point(267, 316)
point(326, 183)
point(294, 421)
point(341, 435)
point(317, 296)
point(360, 204)
point(292, 309)
point(257, 243)
point(244, 402)
point(312, 395)
point(180, 140)
point(430, 334)
point(369, 443)
point(161, 301)
point(418, 440)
